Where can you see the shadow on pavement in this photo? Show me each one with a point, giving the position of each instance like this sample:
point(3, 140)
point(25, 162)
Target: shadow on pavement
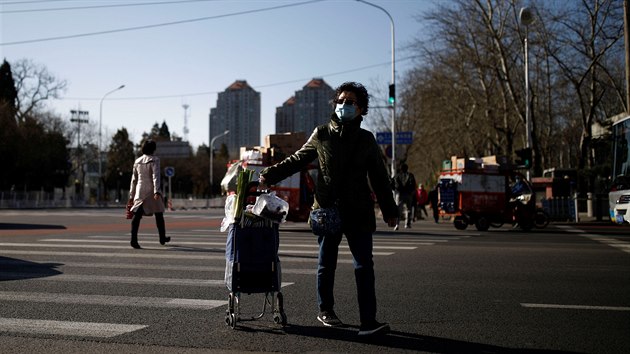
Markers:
point(409, 341)
point(10, 226)
point(17, 269)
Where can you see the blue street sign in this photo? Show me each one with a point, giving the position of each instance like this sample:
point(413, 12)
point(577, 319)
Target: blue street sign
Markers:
point(385, 138)
point(169, 171)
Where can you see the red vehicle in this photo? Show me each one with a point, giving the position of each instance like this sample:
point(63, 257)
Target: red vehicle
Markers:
point(487, 196)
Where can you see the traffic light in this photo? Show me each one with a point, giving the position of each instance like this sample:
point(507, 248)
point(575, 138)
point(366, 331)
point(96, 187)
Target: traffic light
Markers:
point(392, 94)
point(524, 157)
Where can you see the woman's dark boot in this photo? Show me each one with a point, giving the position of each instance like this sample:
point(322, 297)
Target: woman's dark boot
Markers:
point(164, 240)
point(135, 226)
point(159, 221)
point(134, 242)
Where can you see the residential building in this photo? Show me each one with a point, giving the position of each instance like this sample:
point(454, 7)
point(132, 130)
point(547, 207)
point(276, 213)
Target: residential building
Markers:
point(285, 116)
point(310, 107)
point(237, 110)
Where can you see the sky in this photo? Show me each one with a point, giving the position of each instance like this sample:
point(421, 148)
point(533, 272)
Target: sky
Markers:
point(175, 53)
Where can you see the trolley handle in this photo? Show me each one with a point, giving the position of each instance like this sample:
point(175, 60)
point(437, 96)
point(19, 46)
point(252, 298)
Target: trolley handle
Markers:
point(253, 191)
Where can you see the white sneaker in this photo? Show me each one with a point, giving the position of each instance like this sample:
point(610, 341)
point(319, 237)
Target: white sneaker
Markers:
point(396, 228)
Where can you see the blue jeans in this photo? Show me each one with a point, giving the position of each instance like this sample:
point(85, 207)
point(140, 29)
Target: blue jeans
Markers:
point(361, 247)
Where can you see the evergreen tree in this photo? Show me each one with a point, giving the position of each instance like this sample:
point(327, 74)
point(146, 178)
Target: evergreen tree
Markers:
point(8, 96)
point(9, 139)
point(164, 133)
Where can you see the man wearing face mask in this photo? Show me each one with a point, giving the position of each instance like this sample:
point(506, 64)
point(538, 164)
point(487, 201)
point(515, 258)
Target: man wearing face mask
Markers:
point(350, 168)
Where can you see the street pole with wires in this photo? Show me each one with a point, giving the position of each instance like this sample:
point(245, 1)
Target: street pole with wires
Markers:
point(392, 86)
point(100, 157)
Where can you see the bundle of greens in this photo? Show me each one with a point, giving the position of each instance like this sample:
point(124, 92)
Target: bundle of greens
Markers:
point(242, 182)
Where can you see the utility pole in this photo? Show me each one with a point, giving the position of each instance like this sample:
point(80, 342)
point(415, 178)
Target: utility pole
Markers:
point(77, 118)
point(392, 86)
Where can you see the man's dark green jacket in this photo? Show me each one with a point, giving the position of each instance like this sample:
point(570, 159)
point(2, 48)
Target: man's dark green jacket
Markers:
point(349, 163)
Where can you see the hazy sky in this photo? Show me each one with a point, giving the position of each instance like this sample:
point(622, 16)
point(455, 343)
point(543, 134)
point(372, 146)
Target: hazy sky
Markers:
point(185, 52)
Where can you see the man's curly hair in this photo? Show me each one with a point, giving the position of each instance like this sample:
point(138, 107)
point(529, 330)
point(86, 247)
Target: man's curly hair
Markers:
point(363, 99)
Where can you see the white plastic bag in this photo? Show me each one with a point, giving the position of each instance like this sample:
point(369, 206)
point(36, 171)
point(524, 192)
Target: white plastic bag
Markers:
point(272, 207)
point(229, 212)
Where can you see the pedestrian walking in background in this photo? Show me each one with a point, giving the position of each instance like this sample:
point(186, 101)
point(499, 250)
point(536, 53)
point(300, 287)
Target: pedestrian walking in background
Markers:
point(433, 200)
point(422, 199)
point(348, 155)
point(404, 184)
point(144, 193)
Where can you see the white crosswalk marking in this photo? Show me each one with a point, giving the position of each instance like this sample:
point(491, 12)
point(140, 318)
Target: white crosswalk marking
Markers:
point(610, 241)
point(54, 245)
point(109, 300)
point(87, 329)
point(102, 264)
point(189, 243)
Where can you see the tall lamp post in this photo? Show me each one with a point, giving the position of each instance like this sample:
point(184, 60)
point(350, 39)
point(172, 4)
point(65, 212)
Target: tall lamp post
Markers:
point(392, 86)
point(100, 158)
point(527, 18)
point(212, 157)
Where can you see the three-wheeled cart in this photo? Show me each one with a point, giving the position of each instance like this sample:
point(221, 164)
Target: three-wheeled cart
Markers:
point(252, 267)
point(484, 197)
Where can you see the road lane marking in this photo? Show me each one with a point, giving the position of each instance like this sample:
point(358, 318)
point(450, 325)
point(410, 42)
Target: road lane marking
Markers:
point(67, 328)
point(56, 264)
point(576, 307)
point(109, 279)
point(621, 245)
point(203, 243)
point(53, 245)
point(610, 241)
point(111, 300)
point(141, 254)
point(569, 228)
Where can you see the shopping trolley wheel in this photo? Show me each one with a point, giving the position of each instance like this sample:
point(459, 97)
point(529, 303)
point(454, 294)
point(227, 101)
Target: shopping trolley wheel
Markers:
point(227, 319)
point(230, 316)
point(280, 317)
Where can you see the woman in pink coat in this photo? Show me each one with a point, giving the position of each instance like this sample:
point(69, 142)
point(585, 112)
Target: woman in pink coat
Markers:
point(144, 193)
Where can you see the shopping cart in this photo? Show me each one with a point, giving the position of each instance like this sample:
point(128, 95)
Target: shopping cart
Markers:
point(252, 265)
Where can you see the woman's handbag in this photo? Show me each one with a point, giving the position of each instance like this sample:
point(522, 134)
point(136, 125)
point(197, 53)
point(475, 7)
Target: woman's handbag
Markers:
point(128, 212)
point(325, 221)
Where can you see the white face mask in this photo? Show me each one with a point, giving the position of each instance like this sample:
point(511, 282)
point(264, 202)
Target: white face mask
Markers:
point(345, 112)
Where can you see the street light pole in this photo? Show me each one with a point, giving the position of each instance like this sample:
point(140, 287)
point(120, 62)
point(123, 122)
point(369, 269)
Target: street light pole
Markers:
point(100, 158)
point(212, 157)
point(526, 17)
point(393, 104)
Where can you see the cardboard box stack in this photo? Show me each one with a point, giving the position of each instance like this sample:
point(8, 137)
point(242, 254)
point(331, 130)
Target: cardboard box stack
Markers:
point(276, 148)
point(491, 163)
point(288, 143)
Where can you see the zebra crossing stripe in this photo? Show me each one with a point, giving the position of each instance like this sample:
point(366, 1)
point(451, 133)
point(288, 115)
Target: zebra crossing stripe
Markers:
point(610, 241)
point(206, 269)
point(116, 279)
point(111, 300)
point(142, 254)
point(67, 328)
point(204, 243)
point(53, 245)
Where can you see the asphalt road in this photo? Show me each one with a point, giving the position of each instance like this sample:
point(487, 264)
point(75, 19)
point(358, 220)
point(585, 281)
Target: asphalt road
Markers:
point(70, 283)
